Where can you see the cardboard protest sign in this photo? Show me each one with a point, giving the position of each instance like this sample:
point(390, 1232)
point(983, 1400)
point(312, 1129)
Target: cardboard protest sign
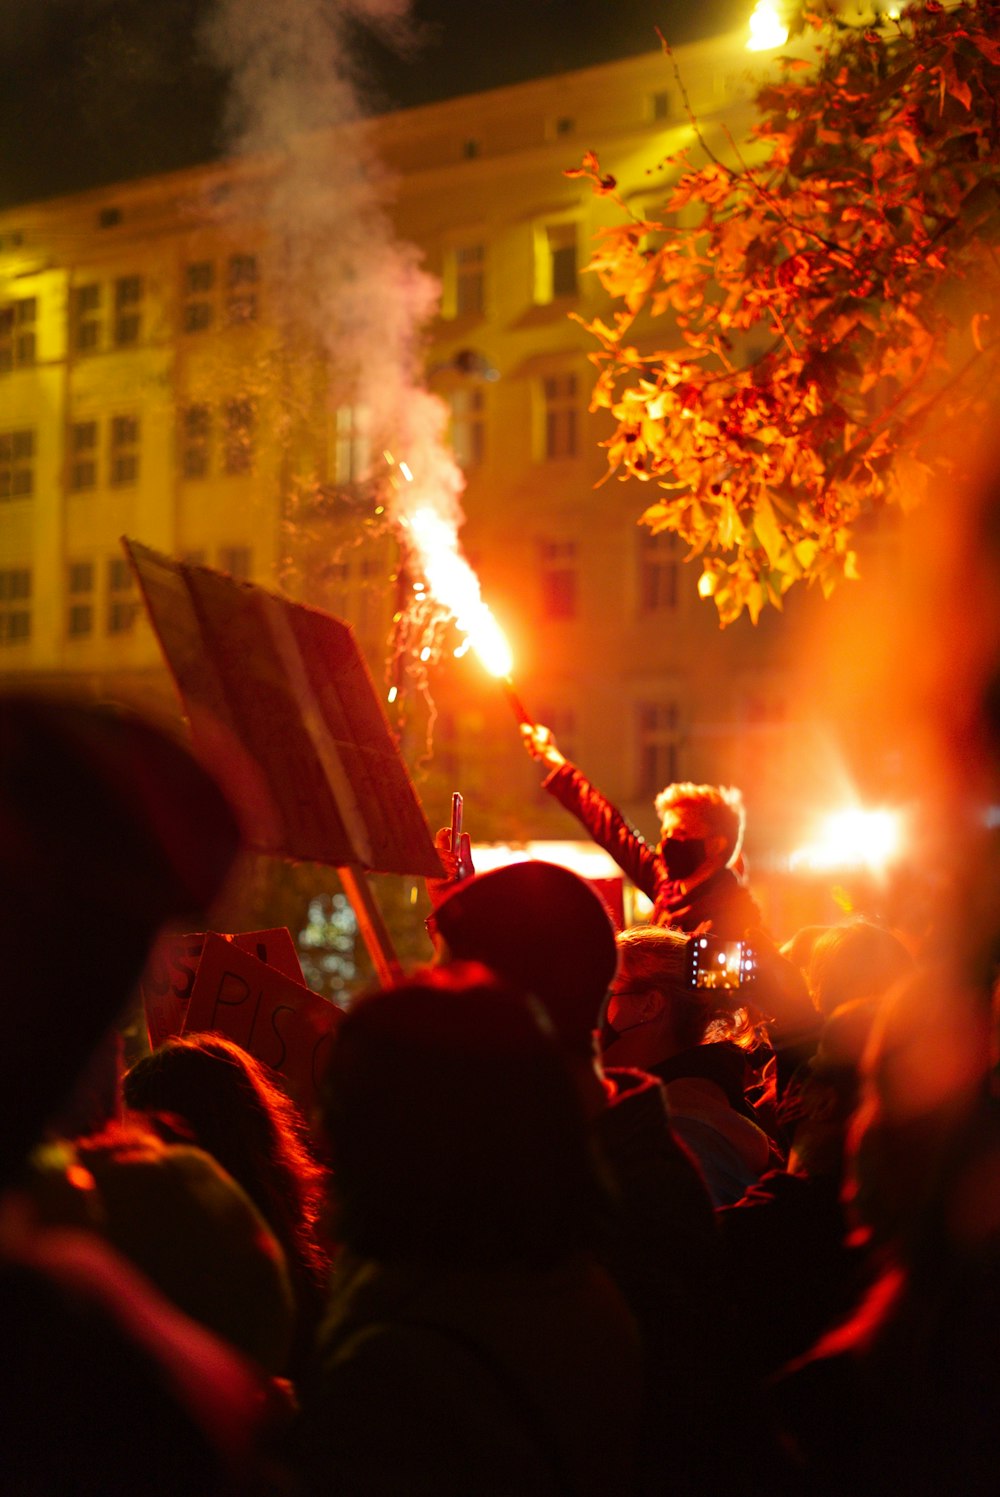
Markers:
point(284, 710)
point(281, 1022)
point(275, 947)
point(168, 978)
point(166, 984)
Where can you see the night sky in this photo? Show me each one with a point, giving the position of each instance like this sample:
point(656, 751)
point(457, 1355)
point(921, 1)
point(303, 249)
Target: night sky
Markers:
point(97, 91)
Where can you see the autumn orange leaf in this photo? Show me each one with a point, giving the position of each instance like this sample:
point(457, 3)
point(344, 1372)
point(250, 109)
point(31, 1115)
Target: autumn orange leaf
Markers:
point(776, 369)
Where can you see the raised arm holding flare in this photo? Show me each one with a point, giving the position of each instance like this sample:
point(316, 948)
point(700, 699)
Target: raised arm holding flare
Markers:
point(689, 875)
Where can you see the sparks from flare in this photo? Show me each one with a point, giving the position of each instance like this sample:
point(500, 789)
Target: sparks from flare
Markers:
point(431, 539)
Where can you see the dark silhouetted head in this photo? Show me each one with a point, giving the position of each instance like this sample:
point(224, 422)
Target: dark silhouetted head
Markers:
point(545, 931)
point(108, 828)
point(455, 1132)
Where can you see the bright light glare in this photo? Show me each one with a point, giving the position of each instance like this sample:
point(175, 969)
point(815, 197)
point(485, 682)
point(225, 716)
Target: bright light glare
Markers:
point(766, 27)
point(456, 587)
point(852, 839)
point(582, 858)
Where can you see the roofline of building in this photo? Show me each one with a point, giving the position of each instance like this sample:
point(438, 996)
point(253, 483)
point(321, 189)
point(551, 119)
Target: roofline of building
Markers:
point(204, 175)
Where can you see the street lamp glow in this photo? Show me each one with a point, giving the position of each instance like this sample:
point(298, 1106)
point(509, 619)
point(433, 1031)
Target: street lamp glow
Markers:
point(767, 29)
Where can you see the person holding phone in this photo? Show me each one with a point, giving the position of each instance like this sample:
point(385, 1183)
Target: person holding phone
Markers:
point(691, 875)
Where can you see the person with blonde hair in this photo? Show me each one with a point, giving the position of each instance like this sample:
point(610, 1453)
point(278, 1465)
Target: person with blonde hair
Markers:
point(691, 875)
point(694, 1041)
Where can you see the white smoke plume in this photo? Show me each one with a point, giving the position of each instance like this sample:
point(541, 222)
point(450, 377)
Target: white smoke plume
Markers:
point(296, 97)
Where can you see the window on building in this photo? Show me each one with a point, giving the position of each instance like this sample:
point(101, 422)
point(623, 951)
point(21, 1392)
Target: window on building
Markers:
point(17, 333)
point(471, 148)
point(240, 423)
point(237, 561)
point(199, 278)
point(123, 455)
point(197, 316)
point(565, 124)
point(86, 318)
point(123, 600)
point(470, 280)
point(558, 579)
point(17, 464)
point(82, 456)
point(7, 320)
point(199, 291)
point(468, 425)
point(15, 606)
point(241, 289)
point(658, 105)
point(352, 444)
point(128, 310)
point(556, 273)
point(195, 437)
point(370, 615)
point(80, 590)
point(561, 401)
point(356, 591)
point(658, 744)
point(658, 571)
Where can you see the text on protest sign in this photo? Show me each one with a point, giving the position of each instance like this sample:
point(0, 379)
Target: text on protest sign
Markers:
point(281, 1022)
point(168, 978)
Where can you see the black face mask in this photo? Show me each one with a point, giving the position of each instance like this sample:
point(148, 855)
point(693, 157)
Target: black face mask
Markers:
point(682, 857)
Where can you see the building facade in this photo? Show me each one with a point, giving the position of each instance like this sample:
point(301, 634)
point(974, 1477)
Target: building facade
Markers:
point(153, 385)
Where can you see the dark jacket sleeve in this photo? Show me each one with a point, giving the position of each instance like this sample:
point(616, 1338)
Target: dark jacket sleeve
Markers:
point(607, 826)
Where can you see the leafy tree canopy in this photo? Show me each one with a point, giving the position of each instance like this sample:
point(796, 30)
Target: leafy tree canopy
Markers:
point(782, 361)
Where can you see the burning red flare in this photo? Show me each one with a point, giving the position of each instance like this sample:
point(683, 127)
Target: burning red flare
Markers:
point(454, 585)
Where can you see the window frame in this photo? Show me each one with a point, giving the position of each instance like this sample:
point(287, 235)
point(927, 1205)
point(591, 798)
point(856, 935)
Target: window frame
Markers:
point(194, 440)
point(239, 434)
point(560, 415)
point(658, 568)
point(559, 578)
point(468, 425)
point(15, 621)
point(81, 595)
point(557, 246)
point(18, 452)
point(123, 604)
point(657, 745)
point(87, 318)
point(129, 294)
point(83, 455)
point(124, 440)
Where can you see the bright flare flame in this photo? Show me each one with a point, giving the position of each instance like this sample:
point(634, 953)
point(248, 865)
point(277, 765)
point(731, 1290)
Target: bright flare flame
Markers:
point(852, 839)
point(454, 584)
point(767, 29)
